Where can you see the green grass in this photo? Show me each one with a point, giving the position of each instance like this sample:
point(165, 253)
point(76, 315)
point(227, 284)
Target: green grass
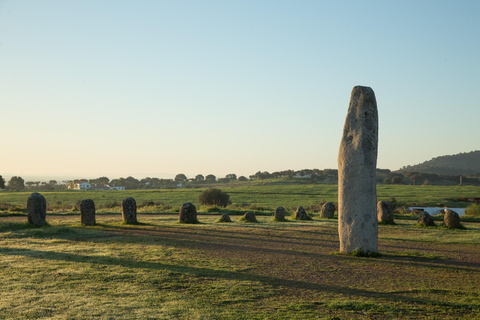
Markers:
point(261, 198)
point(161, 269)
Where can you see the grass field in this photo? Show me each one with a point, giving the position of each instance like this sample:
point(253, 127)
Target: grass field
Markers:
point(161, 269)
point(264, 197)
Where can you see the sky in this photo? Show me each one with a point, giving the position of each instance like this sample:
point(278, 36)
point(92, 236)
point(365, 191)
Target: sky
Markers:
point(155, 88)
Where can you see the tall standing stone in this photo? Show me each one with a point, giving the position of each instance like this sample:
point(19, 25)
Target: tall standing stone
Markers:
point(129, 210)
point(87, 212)
point(188, 213)
point(36, 209)
point(357, 162)
point(328, 210)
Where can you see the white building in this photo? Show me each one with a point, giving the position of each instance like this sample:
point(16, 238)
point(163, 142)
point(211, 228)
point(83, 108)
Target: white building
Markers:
point(82, 186)
point(116, 188)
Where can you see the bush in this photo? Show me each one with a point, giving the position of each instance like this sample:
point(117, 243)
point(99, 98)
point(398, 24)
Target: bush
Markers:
point(473, 210)
point(214, 197)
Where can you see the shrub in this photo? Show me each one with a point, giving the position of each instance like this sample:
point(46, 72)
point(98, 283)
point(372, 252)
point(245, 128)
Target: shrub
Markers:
point(214, 197)
point(473, 210)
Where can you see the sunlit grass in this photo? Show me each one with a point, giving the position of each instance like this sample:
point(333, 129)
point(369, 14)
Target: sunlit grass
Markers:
point(163, 269)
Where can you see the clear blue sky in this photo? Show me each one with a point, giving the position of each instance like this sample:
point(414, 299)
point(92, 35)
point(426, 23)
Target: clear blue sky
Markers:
point(156, 88)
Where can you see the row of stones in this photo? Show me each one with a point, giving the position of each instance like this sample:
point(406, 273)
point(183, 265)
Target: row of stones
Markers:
point(37, 211)
point(451, 219)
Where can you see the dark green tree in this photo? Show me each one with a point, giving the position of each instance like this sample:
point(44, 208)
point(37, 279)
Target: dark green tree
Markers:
point(181, 178)
point(2, 183)
point(231, 176)
point(16, 183)
point(210, 178)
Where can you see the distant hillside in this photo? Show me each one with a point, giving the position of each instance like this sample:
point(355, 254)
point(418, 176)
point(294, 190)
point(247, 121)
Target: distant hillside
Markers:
point(458, 164)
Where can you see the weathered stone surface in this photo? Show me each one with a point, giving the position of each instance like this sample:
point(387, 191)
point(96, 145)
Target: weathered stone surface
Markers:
point(225, 218)
point(328, 210)
point(279, 214)
point(357, 162)
point(87, 212)
point(188, 213)
point(129, 210)
point(451, 219)
point(384, 212)
point(36, 209)
point(426, 219)
point(301, 214)
point(250, 217)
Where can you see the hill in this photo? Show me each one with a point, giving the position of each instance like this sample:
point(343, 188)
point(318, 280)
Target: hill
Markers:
point(458, 164)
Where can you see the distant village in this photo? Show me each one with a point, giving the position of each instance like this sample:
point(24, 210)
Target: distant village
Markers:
point(87, 186)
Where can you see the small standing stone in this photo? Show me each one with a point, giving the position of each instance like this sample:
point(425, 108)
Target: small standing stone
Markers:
point(250, 217)
point(36, 209)
point(225, 218)
point(301, 214)
point(129, 210)
point(328, 210)
point(357, 163)
point(384, 212)
point(426, 219)
point(188, 213)
point(279, 214)
point(451, 219)
point(87, 212)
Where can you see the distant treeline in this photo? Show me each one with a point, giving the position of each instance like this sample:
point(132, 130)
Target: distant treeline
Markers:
point(326, 176)
point(421, 178)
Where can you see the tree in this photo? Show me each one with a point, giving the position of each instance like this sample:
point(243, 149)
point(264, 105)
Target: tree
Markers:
point(16, 183)
point(52, 182)
point(181, 178)
point(231, 176)
point(99, 181)
point(242, 178)
point(210, 178)
point(215, 197)
point(199, 177)
point(2, 183)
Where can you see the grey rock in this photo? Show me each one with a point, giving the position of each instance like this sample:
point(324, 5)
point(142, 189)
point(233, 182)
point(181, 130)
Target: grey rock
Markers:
point(385, 212)
point(87, 212)
point(451, 219)
point(279, 214)
point(328, 210)
point(301, 214)
point(36, 209)
point(426, 219)
point(129, 210)
point(357, 162)
point(225, 218)
point(188, 213)
point(250, 217)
